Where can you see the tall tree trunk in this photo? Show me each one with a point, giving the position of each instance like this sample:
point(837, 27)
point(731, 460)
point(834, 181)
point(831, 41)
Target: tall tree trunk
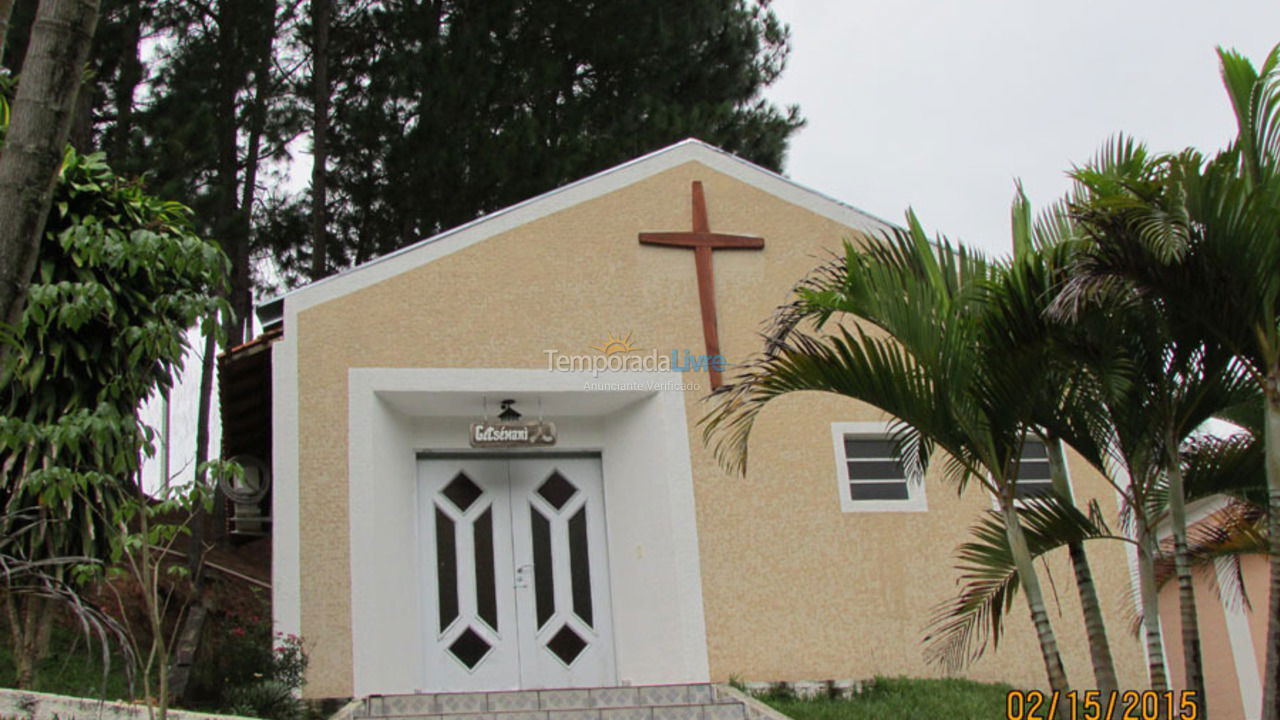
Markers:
point(6, 11)
point(1271, 682)
point(31, 640)
point(23, 608)
point(1104, 669)
point(1150, 600)
point(1053, 666)
point(130, 74)
point(80, 136)
point(44, 635)
point(226, 224)
point(41, 118)
point(320, 15)
point(23, 670)
point(241, 305)
point(24, 613)
point(1186, 589)
point(248, 190)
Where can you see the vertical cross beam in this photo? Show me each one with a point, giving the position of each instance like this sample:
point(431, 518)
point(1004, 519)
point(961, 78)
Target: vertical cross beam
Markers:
point(703, 242)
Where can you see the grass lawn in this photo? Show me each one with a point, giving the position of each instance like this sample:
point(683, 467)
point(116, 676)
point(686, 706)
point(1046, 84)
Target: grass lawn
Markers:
point(904, 699)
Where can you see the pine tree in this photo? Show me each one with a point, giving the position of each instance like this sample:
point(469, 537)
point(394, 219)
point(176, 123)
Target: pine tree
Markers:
point(445, 110)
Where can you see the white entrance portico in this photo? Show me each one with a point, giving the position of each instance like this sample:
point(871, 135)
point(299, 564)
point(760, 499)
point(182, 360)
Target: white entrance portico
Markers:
point(623, 447)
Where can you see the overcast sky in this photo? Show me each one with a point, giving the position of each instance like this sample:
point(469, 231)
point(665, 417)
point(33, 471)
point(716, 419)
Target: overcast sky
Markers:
point(941, 105)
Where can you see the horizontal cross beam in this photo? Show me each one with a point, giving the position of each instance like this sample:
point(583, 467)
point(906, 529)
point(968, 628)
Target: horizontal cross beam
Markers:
point(703, 242)
point(715, 241)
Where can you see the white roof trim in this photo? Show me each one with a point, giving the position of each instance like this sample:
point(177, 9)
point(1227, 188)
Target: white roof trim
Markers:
point(606, 181)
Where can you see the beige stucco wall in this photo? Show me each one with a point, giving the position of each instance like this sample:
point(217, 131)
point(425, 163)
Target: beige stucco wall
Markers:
point(793, 588)
point(796, 589)
point(1226, 682)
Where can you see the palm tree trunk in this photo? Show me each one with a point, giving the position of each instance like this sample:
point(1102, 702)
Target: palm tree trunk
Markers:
point(1271, 682)
point(1056, 672)
point(1104, 669)
point(1150, 605)
point(1186, 589)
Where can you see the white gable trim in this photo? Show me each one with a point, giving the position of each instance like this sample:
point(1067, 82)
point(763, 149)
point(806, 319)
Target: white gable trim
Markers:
point(602, 183)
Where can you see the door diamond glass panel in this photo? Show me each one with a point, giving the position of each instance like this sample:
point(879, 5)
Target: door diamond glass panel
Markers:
point(462, 491)
point(567, 645)
point(580, 566)
point(486, 584)
point(561, 548)
point(557, 491)
point(466, 578)
point(469, 648)
point(544, 577)
point(446, 569)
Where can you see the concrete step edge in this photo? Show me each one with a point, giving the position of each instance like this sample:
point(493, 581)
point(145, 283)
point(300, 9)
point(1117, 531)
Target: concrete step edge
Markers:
point(721, 708)
point(383, 706)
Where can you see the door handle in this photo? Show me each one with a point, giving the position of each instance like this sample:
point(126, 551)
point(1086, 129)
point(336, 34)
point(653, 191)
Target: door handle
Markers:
point(522, 575)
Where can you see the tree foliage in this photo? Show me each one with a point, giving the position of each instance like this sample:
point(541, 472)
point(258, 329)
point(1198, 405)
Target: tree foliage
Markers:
point(446, 110)
point(120, 279)
point(438, 111)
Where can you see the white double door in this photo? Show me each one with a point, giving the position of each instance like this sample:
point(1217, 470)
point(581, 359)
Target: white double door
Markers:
point(516, 573)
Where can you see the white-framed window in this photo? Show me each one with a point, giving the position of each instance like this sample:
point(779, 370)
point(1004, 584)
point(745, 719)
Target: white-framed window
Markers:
point(869, 472)
point(1034, 476)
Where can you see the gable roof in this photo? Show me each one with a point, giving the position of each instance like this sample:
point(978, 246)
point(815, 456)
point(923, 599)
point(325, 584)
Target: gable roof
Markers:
point(575, 193)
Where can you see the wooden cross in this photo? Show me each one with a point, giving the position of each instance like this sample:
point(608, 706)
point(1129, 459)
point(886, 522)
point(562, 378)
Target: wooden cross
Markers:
point(704, 242)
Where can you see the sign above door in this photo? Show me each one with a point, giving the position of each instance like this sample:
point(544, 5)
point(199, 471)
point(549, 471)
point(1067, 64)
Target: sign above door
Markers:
point(536, 433)
point(511, 432)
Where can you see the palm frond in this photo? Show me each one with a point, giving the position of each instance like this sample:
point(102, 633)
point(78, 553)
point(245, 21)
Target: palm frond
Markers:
point(962, 629)
point(1255, 99)
point(1236, 530)
point(1250, 415)
point(1234, 466)
point(912, 349)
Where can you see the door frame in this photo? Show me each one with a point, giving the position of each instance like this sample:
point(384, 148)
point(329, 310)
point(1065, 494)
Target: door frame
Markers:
point(481, 454)
point(424, 557)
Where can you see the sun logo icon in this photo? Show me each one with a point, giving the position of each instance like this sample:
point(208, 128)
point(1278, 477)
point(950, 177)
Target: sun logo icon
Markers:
point(615, 345)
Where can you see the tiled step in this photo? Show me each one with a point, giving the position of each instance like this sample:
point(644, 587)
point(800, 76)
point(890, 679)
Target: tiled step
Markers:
point(648, 702)
point(718, 711)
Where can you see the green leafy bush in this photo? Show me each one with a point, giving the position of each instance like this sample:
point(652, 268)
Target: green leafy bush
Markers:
point(901, 698)
point(245, 669)
point(271, 699)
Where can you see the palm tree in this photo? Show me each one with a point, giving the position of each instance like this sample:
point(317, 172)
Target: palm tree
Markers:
point(923, 363)
point(1201, 237)
point(1016, 325)
point(1107, 385)
point(1177, 380)
point(1255, 97)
